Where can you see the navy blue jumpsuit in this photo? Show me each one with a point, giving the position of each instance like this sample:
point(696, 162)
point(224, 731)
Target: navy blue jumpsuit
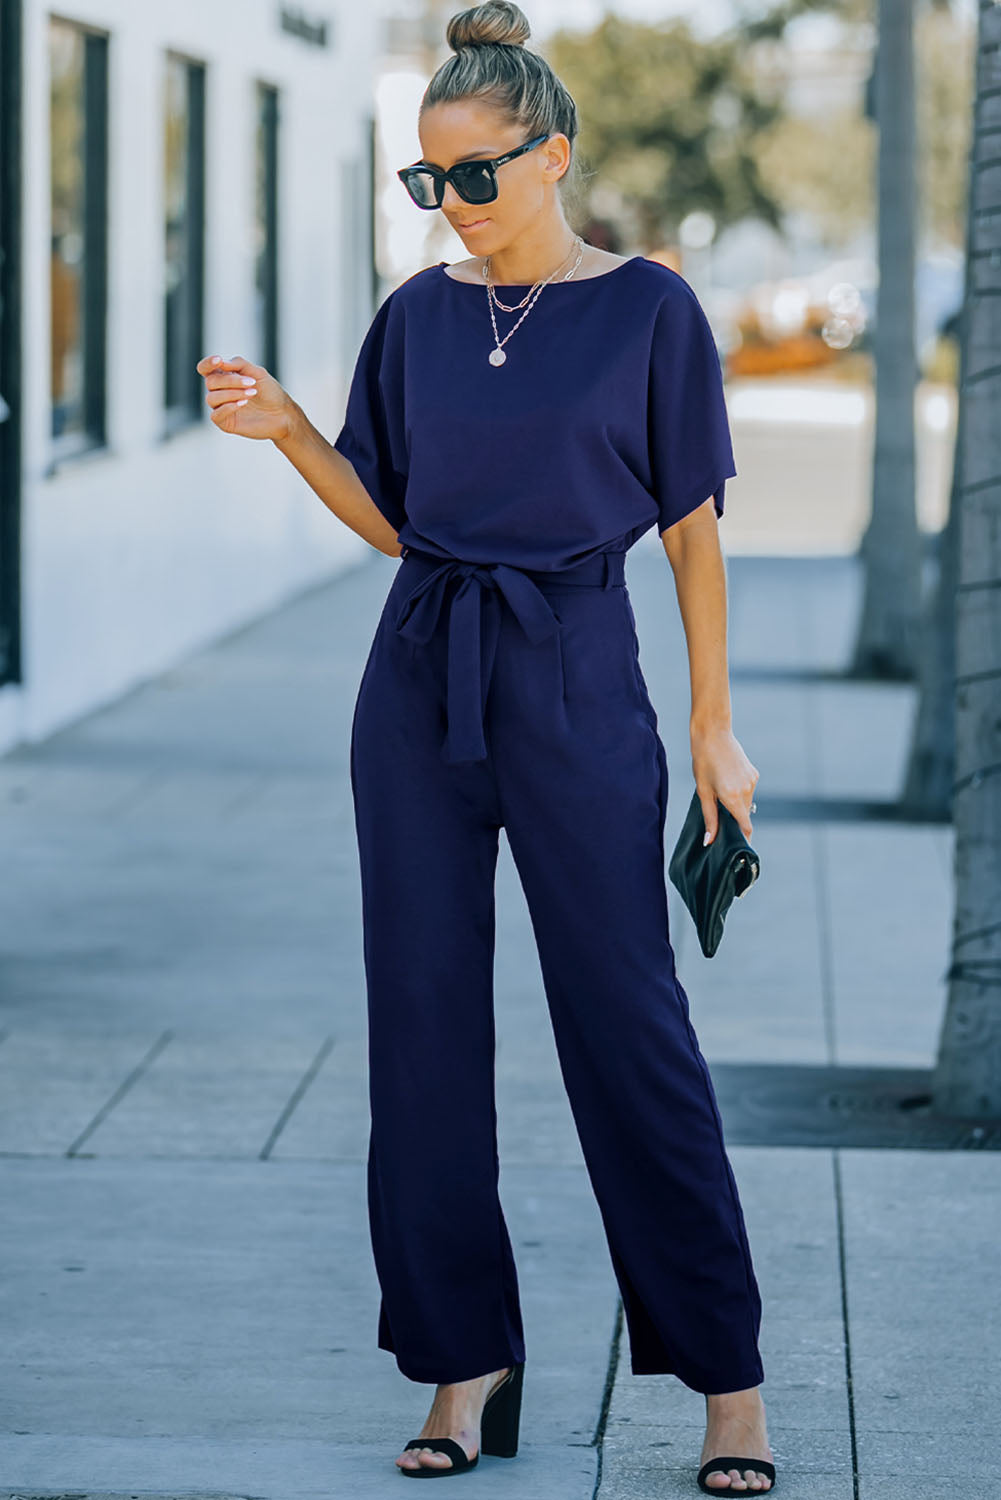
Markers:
point(503, 689)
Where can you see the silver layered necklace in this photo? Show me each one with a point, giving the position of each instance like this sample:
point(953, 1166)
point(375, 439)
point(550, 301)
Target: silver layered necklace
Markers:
point(497, 355)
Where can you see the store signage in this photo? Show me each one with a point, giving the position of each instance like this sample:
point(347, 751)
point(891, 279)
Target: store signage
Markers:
point(293, 19)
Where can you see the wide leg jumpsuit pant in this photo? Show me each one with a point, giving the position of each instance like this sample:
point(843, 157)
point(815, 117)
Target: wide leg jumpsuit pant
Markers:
point(497, 697)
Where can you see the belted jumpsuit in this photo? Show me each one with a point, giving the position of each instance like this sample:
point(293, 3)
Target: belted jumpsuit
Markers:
point(503, 689)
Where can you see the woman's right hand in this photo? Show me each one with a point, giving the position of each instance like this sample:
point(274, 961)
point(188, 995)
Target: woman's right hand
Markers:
point(244, 398)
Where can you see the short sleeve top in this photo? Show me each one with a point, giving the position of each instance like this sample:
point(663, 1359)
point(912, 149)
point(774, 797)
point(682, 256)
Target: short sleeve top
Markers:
point(607, 417)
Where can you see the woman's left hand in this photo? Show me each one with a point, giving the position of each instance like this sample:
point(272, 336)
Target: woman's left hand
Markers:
point(722, 771)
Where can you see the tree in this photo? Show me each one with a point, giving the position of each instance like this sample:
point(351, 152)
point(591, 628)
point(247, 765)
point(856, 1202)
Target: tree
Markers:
point(967, 1076)
point(888, 637)
point(931, 764)
point(669, 123)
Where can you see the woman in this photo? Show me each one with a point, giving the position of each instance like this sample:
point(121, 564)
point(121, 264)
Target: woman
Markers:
point(514, 424)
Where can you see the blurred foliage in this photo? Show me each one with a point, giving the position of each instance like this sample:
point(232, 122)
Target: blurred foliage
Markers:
point(945, 52)
point(754, 24)
point(667, 123)
point(825, 168)
point(671, 123)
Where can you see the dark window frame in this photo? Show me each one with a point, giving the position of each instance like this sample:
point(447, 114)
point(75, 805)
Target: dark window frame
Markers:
point(92, 437)
point(11, 180)
point(266, 267)
point(183, 390)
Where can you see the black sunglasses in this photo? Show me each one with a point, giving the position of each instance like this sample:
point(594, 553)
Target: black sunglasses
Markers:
point(474, 181)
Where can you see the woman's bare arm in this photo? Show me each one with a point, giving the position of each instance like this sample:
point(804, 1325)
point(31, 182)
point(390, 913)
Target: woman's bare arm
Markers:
point(333, 478)
point(721, 768)
point(248, 402)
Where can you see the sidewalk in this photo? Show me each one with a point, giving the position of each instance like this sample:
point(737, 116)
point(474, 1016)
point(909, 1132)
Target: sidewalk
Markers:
point(188, 1303)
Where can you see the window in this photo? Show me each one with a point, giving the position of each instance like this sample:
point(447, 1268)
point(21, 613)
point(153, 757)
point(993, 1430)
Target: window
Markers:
point(184, 239)
point(361, 287)
point(10, 343)
point(266, 230)
point(78, 73)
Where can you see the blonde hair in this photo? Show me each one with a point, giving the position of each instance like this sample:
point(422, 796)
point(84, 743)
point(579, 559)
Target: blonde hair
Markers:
point(493, 64)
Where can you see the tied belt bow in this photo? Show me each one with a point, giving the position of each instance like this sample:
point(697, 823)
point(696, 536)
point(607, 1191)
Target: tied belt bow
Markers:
point(466, 683)
point(471, 648)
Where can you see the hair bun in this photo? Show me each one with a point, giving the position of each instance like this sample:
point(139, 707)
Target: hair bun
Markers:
point(494, 24)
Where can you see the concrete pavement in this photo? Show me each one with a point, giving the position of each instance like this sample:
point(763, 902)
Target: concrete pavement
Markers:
point(188, 1303)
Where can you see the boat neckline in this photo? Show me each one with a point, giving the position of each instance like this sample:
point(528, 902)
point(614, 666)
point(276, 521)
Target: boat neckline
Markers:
point(509, 286)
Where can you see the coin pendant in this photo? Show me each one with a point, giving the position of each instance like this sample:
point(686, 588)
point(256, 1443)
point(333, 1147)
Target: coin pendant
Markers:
point(497, 356)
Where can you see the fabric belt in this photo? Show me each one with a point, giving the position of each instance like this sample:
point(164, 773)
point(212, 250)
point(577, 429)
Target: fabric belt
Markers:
point(472, 636)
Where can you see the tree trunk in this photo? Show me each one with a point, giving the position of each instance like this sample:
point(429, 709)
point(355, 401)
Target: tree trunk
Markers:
point(967, 1078)
point(927, 793)
point(889, 628)
point(931, 765)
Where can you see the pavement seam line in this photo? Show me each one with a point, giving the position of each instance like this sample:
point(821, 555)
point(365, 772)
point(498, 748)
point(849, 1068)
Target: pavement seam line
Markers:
point(598, 1440)
point(842, 1271)
point(120, 1092)
point(307, 1078)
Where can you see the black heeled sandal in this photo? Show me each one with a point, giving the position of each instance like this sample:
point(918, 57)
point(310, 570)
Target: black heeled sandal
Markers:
point(498, 1431)
point(727, 1461)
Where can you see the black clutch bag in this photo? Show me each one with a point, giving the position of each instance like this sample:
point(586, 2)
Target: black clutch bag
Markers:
point(710, 876)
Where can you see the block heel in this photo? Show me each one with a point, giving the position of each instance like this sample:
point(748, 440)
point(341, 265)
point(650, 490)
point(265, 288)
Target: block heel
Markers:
point(502, 1416)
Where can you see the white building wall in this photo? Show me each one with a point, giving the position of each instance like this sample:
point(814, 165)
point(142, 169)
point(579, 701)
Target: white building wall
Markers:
point(138, 554)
